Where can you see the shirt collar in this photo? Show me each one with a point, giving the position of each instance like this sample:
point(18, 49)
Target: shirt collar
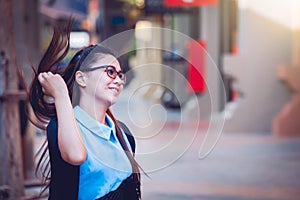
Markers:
point(107, 132)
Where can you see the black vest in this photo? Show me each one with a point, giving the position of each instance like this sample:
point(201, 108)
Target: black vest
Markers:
point(64, 181)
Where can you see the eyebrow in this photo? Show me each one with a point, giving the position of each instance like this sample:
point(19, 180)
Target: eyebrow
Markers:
point(94, 68)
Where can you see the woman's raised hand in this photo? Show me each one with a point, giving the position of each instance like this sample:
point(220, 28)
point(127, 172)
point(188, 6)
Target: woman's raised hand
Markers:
point(53, 85)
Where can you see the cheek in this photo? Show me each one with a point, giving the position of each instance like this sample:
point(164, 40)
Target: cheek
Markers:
point(100, 88)
point(101, 82)
point(121, 88)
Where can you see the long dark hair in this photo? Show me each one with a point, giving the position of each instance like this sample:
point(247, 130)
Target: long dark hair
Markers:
point(44, 111)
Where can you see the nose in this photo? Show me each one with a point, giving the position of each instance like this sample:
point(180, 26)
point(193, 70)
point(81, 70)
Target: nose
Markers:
point(119, 81)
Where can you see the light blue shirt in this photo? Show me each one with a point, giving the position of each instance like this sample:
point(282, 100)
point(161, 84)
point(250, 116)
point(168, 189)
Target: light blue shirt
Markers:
point(106, 165)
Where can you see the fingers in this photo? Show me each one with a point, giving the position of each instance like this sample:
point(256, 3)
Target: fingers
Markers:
point(40, 77)
point(52, 84)
point(43, 78)
point(44, 75)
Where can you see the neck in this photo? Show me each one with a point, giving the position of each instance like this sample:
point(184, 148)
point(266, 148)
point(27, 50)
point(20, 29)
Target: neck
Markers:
point(97, 112)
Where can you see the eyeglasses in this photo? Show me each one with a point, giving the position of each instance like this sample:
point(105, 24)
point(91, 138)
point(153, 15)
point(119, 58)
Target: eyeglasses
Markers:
point(110, 71)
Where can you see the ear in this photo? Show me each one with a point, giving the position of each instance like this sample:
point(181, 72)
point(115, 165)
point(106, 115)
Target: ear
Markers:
point(80, 78)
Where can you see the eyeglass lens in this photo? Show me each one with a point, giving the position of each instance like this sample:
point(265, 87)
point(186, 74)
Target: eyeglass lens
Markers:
point(112, 73)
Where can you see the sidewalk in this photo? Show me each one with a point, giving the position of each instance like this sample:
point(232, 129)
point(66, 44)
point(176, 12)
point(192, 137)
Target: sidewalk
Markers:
point(241, 167)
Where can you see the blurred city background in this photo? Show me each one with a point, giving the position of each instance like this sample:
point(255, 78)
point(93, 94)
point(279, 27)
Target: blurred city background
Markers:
point(212, 94)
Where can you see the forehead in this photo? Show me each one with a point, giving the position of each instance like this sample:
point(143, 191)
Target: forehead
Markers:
point(106, 59)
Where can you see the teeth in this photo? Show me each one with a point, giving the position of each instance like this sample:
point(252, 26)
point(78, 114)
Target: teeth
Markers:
point(114, 89)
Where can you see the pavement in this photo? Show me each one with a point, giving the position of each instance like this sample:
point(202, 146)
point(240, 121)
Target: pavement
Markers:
point(235, 166)
point(240, 167)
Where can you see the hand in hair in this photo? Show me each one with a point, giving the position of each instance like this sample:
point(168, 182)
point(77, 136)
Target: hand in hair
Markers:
point(53, 85)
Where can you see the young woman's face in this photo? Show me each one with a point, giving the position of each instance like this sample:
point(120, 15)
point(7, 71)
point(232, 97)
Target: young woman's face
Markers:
point(100, 87)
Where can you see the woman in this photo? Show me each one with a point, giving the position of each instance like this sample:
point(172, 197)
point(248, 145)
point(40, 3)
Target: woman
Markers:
point(91, 154)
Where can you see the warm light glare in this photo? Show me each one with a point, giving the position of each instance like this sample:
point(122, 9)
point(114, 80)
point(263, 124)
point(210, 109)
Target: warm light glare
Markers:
point(296, 14)
point(285, 12)
point(143, 30)
point(140, 3)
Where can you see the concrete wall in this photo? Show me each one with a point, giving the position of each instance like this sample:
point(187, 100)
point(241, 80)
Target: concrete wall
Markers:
point(209, 102)
point(263, 46)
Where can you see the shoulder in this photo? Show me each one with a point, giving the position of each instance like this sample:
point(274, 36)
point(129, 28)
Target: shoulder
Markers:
point(128, 134)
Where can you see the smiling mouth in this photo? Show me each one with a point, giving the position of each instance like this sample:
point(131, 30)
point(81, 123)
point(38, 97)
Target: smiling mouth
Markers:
point(114, 89)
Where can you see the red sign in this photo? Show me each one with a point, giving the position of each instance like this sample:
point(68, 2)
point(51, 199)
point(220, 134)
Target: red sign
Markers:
point(196, 66)
point(179, 3)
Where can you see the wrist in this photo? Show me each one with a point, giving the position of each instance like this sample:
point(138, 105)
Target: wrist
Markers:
point(60, 96)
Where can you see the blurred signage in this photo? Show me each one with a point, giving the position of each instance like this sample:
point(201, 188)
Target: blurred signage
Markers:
point(79, 39)
point(196, 67)
point(179, 3)
point(159, 7)
point(59, 9)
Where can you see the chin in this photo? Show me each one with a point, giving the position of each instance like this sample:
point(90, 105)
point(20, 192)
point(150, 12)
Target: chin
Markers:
point(112, 101)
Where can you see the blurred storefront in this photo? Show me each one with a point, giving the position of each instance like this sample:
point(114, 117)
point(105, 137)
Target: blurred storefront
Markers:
point(265, 41)
point(242, 48)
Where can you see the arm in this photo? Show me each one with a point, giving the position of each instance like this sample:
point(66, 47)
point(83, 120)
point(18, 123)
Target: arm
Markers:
point(70, 141)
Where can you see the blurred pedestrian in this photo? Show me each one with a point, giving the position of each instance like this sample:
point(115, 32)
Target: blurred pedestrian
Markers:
point(91, 153)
